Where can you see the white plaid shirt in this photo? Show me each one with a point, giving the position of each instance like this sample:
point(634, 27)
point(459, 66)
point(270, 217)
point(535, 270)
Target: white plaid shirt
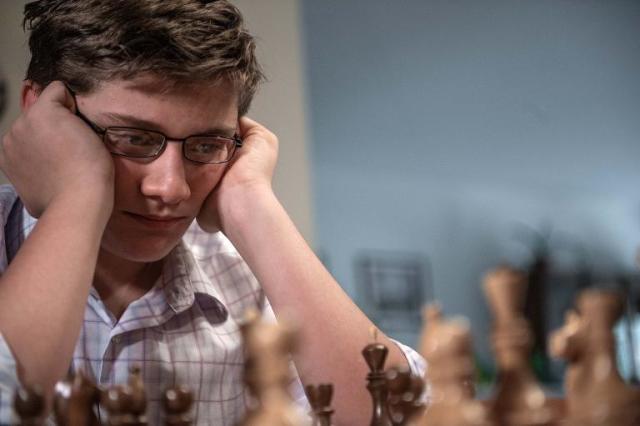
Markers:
point(185, 330)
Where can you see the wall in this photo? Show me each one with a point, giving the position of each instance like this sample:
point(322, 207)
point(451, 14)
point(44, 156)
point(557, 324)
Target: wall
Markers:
point(280, 105)
point(443, 127)
point(282, 102)
point(13, 54)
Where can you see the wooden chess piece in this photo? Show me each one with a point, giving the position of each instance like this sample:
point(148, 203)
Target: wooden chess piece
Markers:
point(267, 373)
point(595, 392)
point(446, 345)
point(126, 404)
point(375, 354)
point(138, 396)
point(405, 392)
point(177, 402)
point(28, 403)
point(75, 400)
point(519, 400)
point(320, 400)
point(113, 400)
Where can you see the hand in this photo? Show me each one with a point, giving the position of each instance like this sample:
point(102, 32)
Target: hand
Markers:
point(250, 170)
point(49, 153)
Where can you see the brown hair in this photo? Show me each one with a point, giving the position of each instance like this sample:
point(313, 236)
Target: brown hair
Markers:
point(86, 42)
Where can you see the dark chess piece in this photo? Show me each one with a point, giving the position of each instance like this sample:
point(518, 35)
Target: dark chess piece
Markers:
point(596, 395)
point(320, 399)
point(126, 405)
point(75, 401)
point(376, 354)
point(405, 391)
point(28, 403)
point(177, 404)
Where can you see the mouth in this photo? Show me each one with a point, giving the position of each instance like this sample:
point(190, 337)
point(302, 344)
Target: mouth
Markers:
point(157, 222)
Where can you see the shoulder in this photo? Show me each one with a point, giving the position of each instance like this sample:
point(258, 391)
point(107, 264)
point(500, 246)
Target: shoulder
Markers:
point(225, 269)
point(204, 244)
point(11, 215)
point(8, 197)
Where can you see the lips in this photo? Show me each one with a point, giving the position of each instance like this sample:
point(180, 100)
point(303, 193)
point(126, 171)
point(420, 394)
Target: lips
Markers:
point(159, 222)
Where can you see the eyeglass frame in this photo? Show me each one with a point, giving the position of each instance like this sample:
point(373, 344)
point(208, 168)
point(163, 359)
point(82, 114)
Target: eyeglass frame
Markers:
point(102, 131)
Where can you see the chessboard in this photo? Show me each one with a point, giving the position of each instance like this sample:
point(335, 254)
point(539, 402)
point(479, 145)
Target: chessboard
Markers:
point(594, 392)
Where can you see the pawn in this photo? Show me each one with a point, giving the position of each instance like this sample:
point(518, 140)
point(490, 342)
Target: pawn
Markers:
point(28, 403)
point(320, 399)
point(126, 405)
point(405, 391)
point(375, 354)
point(595, 392)
point(75, 400)
point(177, 403)
point(138, 396)
point(446, 345)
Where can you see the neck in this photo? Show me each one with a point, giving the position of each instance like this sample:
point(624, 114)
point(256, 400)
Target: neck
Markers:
point(121, 281)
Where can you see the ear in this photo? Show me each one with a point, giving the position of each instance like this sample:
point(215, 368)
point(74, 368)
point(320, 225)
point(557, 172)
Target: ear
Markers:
point(29, 94)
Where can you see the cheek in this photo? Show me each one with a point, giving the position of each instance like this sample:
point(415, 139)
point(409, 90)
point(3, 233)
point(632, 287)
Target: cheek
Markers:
point(127, 179)
point(203, 179)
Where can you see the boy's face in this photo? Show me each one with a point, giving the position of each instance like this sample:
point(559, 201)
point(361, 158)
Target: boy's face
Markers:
point(157, 199)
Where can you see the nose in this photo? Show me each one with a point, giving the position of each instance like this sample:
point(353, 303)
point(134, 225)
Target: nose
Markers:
point(165, 178)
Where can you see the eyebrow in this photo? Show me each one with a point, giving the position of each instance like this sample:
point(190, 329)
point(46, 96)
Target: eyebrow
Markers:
point(131, 121)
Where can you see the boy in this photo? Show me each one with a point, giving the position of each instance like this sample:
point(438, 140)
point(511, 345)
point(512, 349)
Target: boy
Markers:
point(157, 226)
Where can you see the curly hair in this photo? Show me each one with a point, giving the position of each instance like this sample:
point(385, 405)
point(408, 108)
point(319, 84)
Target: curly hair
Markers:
point(86, 42)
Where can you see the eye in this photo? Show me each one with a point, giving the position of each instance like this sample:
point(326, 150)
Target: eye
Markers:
point(132, 137)
point(204, 145)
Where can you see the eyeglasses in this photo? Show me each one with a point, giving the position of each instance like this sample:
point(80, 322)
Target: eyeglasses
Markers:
point(140, 143)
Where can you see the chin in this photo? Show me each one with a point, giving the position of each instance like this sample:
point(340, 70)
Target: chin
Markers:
point(143, 251)
point(139, 244)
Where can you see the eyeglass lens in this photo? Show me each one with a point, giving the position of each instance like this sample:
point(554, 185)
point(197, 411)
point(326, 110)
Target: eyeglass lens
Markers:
point(140, 143)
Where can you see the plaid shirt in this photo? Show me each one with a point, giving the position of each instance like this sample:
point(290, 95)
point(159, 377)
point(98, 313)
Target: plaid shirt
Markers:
point(185, 330)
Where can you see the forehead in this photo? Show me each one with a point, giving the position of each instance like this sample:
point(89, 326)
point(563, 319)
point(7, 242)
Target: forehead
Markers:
point(159, 88)
point(152, 83)
point(175, 108)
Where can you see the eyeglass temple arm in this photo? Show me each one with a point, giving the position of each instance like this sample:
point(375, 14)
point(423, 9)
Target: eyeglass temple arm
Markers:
point(94, 126)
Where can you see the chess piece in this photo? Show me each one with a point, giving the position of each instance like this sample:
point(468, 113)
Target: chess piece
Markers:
point(446, 345)
point(75, 400)
point(267, 373)
point(375, 354)
point(320, 400)
point(519, 400)
point(126, 404)
point(404, 399)
point(177, 403)
point(595, 392)
point(28, 403)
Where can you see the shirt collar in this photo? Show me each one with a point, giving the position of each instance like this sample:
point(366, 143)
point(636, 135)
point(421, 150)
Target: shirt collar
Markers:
point(184, 282)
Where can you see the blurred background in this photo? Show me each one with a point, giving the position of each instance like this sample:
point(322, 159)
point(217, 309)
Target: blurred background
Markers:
point(426, 141)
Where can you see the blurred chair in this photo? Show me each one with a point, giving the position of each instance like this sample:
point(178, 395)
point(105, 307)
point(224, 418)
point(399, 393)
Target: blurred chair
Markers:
point(392, 287)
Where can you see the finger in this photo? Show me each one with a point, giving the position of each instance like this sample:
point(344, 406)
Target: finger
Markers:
point(57, 92)
point(248, 126)
point(251, 129)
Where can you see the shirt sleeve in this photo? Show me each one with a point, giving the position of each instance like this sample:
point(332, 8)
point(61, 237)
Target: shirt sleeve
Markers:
point(416, 362)
point(8, 383)
point(8, 373)
point(418, 366)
